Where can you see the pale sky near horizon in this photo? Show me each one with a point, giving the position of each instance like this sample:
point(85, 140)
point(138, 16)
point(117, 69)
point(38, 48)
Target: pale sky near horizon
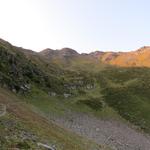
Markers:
point(84, 25)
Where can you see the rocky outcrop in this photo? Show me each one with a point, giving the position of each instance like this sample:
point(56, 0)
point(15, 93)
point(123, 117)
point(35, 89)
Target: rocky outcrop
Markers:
point(47, 147)
point(2, 110)
point(67, 95)
point(52, 93)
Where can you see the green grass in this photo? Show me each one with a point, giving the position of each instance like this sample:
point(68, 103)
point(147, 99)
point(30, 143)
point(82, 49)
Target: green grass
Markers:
point(127, 90)
point(123, 91)
point(91, 102)
point(44, 129)
point(12, 131)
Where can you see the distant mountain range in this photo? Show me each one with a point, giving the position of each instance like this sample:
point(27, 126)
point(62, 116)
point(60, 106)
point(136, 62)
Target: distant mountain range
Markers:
point(137, 58)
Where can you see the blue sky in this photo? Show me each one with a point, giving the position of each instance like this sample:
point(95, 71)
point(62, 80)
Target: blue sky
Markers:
point(84, 25)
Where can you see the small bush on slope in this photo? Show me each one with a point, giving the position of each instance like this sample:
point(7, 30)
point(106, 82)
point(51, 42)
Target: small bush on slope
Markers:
point(93, 103)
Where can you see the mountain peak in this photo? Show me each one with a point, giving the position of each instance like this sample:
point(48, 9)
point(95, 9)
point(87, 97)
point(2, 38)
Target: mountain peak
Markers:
point(58, 52)
point(68, 51)
point(144, 48)
point(96, 53)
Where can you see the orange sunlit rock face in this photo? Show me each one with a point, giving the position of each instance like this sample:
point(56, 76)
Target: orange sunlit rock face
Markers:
point(139, 58)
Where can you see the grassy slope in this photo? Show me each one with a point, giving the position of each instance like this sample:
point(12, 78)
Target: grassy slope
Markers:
point(127, 90)
point(62, 138)
point(17, 71)
point(122, 90)
point(90, 103)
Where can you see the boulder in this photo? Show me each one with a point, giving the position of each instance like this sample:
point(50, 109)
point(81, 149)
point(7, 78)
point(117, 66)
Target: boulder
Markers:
point(66, 95)
point(52, 94)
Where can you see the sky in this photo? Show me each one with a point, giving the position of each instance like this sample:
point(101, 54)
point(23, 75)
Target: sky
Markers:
point(83, 25)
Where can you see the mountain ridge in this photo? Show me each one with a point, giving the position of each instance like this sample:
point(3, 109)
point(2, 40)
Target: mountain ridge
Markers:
point(135, 58)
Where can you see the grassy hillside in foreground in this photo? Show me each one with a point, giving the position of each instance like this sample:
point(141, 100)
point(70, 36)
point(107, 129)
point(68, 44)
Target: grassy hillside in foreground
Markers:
point(90, 102)
point(123, 91)
point(19, 113)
